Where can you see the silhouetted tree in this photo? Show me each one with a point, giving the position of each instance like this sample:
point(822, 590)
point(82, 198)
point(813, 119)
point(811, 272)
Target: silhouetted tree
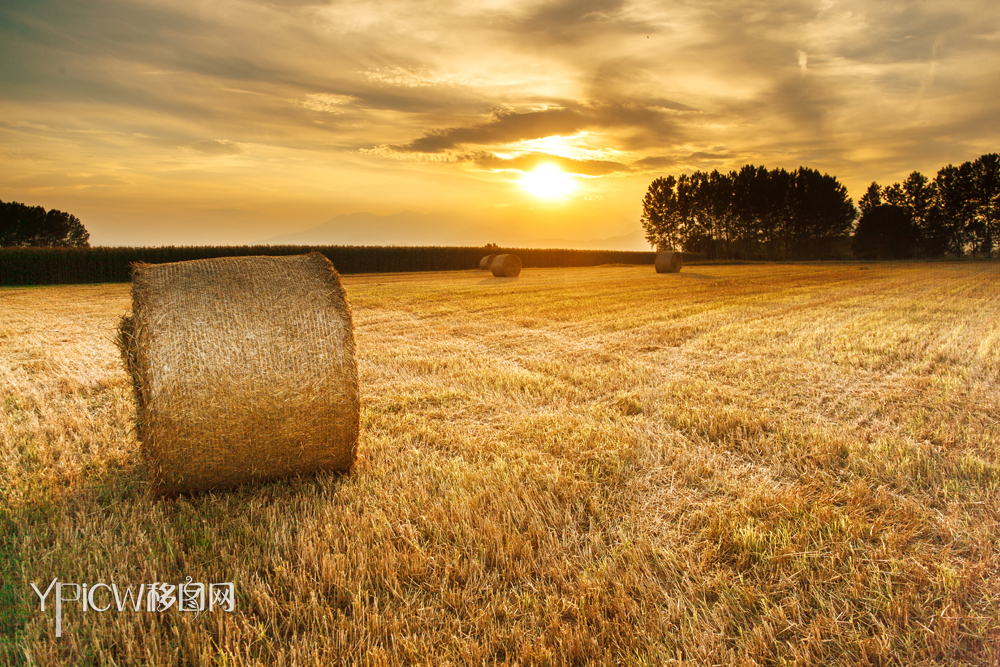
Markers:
point(758, 203)
point(885, 232)
point(749, 213)
point(718, 202)
point(697, 197)
point(660, 215)
point(917, 195)
point(691, 233)
point(871, 198)
point(954, 214)
point(985, 179)
point(22, 225)
point(820, 213)
point(920, 199)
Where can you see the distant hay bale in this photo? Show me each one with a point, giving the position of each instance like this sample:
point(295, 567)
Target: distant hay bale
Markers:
point(243, 369)
point(506, 266)
point(668, 261)
point(486, 262)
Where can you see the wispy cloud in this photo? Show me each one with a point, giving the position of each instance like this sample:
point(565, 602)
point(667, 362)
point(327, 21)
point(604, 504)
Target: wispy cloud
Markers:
point(328, 102)
point(218, 147)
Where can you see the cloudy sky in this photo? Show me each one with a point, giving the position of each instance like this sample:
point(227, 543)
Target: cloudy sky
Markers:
point(230, 121)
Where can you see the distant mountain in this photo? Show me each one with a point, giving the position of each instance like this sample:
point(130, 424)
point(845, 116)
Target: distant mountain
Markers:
point(409, 228)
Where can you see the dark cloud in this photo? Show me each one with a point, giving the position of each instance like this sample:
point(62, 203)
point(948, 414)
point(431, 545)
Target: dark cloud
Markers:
point(513, 126)
point(506, 128)
point(697, 159)
point(574, 12)
point(531, 161)
point(574, 22)
point(656, 162)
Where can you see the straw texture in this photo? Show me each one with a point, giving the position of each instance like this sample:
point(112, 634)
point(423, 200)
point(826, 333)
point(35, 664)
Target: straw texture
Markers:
point(668, 261)
point(506, 266)
point(486, 262)
point(243, 369)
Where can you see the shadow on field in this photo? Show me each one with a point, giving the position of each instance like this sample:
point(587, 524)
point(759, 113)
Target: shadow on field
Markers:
point(134, 480)
point(245, 519)
point(493, 280)
point(697, 276)
point(13, 610)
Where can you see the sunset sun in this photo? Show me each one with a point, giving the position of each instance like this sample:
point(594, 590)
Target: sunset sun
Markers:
point(548, 181)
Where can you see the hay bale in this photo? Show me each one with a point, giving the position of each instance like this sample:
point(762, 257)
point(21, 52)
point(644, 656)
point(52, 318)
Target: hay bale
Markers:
point(243, 369)
point(506, 266)
point(668, 261)
point(486, 262)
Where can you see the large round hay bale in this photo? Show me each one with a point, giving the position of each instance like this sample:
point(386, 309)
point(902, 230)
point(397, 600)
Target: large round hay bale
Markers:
point(243, 369)
point(506, 266)
point(486, 262)
point(668, 261)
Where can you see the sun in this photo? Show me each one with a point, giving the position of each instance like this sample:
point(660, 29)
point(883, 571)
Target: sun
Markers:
point(548, 181)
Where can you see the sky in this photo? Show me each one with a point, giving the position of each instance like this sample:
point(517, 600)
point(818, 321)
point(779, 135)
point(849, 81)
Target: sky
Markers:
point(233, 121)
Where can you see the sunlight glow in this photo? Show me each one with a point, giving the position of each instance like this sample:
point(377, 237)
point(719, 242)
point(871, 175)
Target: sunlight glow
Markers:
point(548, 181)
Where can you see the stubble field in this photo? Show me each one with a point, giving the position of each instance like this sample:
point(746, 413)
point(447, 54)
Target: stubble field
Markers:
point(734, 465)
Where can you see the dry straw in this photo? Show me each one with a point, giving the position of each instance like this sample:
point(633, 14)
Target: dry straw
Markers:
point(243, 369)
point(486, 262)
point(668, 261)
point(506, 266)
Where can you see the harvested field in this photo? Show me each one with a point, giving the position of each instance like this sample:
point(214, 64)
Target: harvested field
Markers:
point(781, 464)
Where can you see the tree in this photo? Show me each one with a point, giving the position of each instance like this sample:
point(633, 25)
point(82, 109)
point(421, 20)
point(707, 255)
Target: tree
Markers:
point(952, 222)
point(22, 225)
point(871, 198)
point(885, 232)
point(985, 178)
point(750, 213)
point(820, 214)
point(758, 200)
point(920, 194)
point(660, 214)
point(694, 200)
point(718, 203)
point(919, 197)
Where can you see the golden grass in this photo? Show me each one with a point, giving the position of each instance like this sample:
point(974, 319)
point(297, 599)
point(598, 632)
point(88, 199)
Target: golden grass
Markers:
point(743, 465)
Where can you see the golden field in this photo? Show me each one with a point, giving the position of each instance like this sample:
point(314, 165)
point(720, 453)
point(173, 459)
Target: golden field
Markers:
point(734, 465)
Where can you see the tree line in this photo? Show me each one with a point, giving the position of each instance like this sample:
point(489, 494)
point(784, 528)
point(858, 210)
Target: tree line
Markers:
point(33, 226)
point(956, 213)
point(757, 213)
point(753, 213)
